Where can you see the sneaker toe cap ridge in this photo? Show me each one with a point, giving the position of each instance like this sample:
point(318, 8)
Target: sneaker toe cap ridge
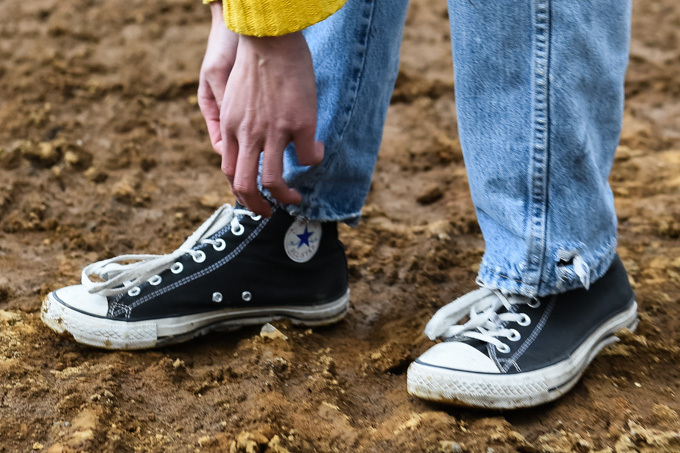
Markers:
point(458, 356)
point(79, 298)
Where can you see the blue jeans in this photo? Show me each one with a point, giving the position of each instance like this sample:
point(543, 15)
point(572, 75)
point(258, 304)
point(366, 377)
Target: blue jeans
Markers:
point(539, 97)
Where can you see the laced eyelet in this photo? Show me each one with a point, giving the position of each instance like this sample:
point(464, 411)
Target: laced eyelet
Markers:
point(155, 280)
point(220, 245)
point(199, 257)
point(238, 230)
point(256, 218)
point(217, 297)
point(177, 268)
point(526, 320)
point(134, 291)
point(503, 348)
point(514, 335)
point(246, 296)
point(535, 303)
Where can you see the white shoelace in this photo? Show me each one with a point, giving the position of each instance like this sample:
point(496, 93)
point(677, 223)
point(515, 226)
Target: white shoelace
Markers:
point(485, 324)
point(119, 278)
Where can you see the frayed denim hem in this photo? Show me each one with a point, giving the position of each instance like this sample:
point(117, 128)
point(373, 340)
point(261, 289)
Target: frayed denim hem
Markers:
point(322, 214)
point(568, 269)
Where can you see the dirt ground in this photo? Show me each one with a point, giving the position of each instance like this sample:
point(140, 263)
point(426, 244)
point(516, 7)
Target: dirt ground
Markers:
point(103, 151)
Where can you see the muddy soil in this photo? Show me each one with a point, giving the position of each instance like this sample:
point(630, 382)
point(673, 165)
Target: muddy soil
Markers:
point(103, 151)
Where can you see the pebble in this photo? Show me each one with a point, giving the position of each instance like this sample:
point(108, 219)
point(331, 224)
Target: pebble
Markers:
point(269, 331)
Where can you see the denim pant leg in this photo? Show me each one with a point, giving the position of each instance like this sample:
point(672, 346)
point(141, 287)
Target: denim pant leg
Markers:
point(356, 58)
point(539, 94)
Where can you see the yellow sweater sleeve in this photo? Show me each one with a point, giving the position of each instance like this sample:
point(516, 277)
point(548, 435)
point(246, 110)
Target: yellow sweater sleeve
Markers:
point(275, 17)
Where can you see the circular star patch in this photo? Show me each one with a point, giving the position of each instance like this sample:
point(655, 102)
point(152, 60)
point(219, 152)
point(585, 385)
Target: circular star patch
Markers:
point(302, 240)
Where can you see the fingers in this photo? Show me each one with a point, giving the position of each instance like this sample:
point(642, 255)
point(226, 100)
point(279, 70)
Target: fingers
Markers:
point(272, 173)
point(229, 157)
point(218, 89)
point(245, 180)
point(240, 164)
point(211, 113)
point(309, 151)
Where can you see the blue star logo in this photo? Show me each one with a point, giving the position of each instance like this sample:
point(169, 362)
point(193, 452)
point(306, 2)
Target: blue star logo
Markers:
point(304, 237)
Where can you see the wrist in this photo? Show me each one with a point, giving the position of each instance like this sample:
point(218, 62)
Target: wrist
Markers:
point(283, 44)
point(217, 13)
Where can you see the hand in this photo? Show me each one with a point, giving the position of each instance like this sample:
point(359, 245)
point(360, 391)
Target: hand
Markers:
point(272, 101)
point(217, 64)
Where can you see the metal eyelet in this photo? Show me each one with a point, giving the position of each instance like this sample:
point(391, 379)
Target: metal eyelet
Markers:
point(246, 296)
point(503, 348)
point(238, 231)
point(177, 268)
point(155, 280)
point(217, 297)
point(535, 303)
point(134, 291)
point(256, 218)
point(526, 320)
point(220, 245)
point(199, 257)
point(514, 335)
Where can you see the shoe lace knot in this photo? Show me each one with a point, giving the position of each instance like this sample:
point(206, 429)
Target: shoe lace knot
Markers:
point(485, 323)
point(124, 272)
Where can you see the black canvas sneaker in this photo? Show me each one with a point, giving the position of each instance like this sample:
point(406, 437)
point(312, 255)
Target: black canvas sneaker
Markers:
point(516, 352)
point(236, 269)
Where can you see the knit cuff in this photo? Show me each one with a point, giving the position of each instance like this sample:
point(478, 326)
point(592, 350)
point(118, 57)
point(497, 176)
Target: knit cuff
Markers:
point(275, 17)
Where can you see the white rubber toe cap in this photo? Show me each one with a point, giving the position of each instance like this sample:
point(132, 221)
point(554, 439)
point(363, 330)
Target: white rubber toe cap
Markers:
point(77, 297)
point(458, 356)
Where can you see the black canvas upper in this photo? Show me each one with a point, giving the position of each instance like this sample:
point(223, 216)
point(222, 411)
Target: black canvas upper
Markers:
point(561, 323)
point(255, 263)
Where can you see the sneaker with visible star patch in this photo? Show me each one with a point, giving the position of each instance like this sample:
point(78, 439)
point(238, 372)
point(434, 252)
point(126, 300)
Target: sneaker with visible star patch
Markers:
point(516, 352)
point(236, 269)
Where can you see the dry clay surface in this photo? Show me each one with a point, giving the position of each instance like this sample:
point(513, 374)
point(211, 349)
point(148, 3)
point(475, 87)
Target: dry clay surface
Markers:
point(103, 151)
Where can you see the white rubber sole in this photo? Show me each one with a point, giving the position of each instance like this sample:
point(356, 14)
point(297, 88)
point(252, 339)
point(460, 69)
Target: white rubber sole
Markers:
point(514, 391)
point(112, 334)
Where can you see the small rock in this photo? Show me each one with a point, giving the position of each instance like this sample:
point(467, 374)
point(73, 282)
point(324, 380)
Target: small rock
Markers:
point(95, 175)
point(38, 446)
point(123, 192)
point(275, 445)
point(178, 364)
point(206, 441)
point(664, 413)
point(271, 332)
point(430, 195)
point(248, 442)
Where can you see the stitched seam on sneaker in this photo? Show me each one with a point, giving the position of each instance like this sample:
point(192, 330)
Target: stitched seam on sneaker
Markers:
point(492, 353)
point(116, 299)
point(122, 307)
point(536, 331)
point(199, 274)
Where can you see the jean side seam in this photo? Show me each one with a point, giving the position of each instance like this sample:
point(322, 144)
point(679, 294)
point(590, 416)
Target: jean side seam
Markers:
point(364, 46)
point(539, 143)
